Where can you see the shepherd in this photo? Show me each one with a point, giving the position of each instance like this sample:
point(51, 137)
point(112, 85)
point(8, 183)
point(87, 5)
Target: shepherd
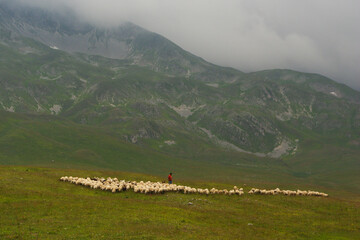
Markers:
point(170, 178)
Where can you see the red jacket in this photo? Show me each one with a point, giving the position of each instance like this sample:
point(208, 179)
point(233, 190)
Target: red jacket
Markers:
point(170, 177)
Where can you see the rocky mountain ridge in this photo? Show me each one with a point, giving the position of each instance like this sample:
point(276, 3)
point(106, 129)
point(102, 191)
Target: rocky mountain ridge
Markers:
point(151, 92)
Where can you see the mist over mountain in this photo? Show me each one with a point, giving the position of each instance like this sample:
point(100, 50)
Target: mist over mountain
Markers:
point(319, 37)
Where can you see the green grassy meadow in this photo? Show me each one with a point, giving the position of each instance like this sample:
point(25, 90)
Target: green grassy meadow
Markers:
point(36, 205)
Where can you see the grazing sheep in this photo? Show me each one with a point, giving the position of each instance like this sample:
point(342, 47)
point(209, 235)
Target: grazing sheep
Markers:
point(252, 191)
point(286, 192)
point(114, 185)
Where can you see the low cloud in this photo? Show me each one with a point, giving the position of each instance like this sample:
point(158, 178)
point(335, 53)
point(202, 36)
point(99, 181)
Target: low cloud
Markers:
point(313, 36)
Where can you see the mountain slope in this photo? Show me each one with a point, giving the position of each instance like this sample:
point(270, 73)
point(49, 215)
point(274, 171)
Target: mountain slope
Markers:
point(51, 141)
point(128, 41)
point(256, 114)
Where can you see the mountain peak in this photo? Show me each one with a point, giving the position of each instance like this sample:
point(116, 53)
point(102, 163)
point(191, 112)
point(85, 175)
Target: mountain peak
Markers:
point(64, 31)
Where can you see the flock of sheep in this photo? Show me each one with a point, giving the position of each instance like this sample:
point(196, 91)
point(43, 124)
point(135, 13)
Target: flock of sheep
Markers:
point(287, 192)
point(115, 185)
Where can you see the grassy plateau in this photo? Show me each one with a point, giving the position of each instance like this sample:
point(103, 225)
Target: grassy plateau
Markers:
point(34, 204)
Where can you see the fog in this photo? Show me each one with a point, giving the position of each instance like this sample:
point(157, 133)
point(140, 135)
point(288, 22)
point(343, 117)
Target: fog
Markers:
point(318, 36)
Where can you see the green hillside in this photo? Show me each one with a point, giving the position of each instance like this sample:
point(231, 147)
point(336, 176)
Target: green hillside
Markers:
point(54, 142)
point(50, 141)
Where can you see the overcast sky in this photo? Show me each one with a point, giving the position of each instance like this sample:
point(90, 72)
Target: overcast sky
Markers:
point(320, 36)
